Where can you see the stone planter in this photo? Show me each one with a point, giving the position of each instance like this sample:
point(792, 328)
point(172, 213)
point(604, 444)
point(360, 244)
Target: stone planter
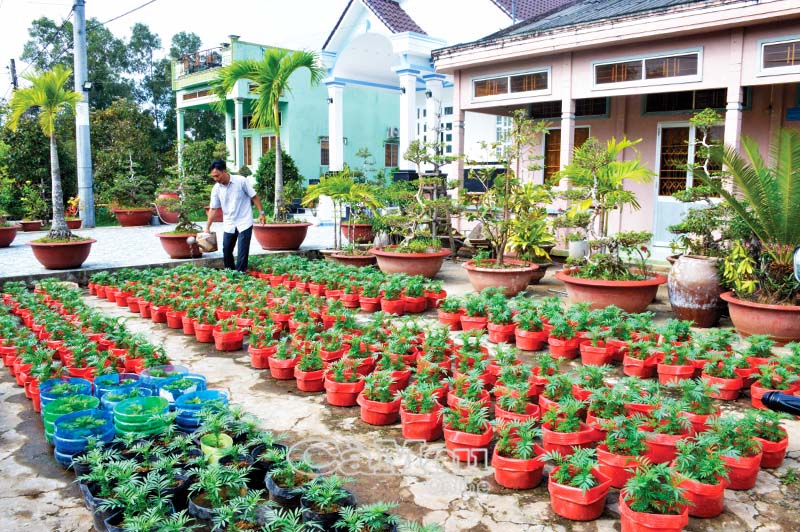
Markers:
point(7, 235)
point(177, 247)
point(630, 296)
point(780, 322)
point(694, 290)
point(62, 255)
point(512, 279)
point(425, 264)
point(133, 217)
point(280, 237)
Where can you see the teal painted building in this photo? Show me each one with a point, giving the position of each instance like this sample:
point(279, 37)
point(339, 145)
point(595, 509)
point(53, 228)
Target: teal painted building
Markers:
point(370, 119)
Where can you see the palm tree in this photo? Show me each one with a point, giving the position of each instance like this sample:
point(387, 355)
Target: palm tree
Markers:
point(49, 94)
point(271, 76)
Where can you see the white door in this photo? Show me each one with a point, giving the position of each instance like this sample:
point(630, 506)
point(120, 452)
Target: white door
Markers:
point(675, 156)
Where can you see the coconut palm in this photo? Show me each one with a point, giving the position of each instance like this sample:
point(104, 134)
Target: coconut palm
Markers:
point(49, 94)
point(271, 76)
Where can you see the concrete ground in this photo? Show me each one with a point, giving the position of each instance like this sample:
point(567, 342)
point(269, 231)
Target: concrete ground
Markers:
point(36, 495)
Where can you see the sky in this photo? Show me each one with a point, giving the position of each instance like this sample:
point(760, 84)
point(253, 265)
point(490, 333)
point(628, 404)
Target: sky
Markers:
point(298, 24)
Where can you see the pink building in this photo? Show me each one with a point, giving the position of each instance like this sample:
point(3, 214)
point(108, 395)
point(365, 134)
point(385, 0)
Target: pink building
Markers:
point(617, 67)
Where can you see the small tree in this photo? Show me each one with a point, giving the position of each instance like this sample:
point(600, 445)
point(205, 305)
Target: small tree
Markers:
point(49, 93)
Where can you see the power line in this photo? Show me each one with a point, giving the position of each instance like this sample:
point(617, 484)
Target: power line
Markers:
point(127, 13)
point(46, 44)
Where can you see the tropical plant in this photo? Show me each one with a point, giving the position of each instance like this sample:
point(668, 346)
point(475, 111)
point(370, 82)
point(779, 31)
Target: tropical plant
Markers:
point(271, 76)
point(48, 92)
point(765, 199)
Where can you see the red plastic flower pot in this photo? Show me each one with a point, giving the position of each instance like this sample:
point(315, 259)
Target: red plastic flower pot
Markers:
point(158, 313)
point(121, 298)
point(377, 413)
point(369, 304)
point(531, 412)
point(111, 294)
point(144, 309)
point(342, 393)
point(310, 381)
point(349, 300)
point(599, 355)
point(466, 447)
point(516, 474)
point(204, 332)
point(36, 397)
point(435, 298)
point(393, 306)
point(705, 500)
point(187, 325)
point(425, 427)
point(661, 447)
point(331, 356)
point(281, 369)
point(415, 305)
point(454, 401)
point(742, 471)
point(618, 468)
point(530, 340)
point(313, 288)
point(365, 366)
point(699, 421)
point(773, 453)
point(469, 323)
point(728, 388)
point(451, 319)
point(576, 504)
point(757, 392)
point(618, 348)
point(563, 348)
point(259, 356)
point(634, 367)
point(400, 380)
point(631, 521)
point(499, 333)
point(82, 373)
point(668, 373)
point(134, 365)
point(546, 404)
point(563, 442)
point(175, 319)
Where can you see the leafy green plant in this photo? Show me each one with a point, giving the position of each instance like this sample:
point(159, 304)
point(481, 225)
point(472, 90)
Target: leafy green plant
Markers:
point(766, 424)
point(377, 387)
point(470, 417)
point(218, 483)
point(696, 395)
point(419, 398)
point(515, 439)
point(565, 417)
point(653, 489)
point(700, 459)
point(737, 434)
point(326, 493)
point(574, 470)
point(623, 436)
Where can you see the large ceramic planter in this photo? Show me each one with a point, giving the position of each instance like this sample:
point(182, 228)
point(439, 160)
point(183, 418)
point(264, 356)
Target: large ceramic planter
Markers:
point(31, 225)
point(780, 322)
point(62, 255)
point(538, 274)
point(362, 233)
point(177, 247)
point(354, 260)
point(694, 290)
point(7, 235)
point(425, 264)
point(133, 217)
point(630, 296)
point(74, 223)
point(513, 279)
point(280, 237)
point(167, 216)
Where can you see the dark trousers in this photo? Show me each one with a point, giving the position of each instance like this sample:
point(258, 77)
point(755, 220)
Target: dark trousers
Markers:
point(242, 241)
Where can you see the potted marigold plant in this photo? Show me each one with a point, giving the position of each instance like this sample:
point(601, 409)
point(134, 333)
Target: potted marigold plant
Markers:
point(343, 383)
point(739, 435)
point(379, 405)
point(652, 498)
point(703, 473)
point(577, 487)
point(419, 412)
point(467, 432)
point(515, 458)
point(621, 450)
point(770, 434)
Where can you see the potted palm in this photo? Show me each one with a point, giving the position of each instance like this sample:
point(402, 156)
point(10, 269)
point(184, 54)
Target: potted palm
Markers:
point(273, 72)
point(763, 299)
point(60, 249)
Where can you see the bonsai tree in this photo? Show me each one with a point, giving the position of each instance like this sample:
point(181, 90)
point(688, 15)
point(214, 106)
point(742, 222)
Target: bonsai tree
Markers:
point(271, 75)
point(49, 94)
point(192, 191)
point(496, 207)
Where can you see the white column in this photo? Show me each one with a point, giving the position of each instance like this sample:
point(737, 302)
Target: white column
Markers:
point(567, 113)
point(434, 86)
point(181, 122)
point(229, 143)
point(733, 109)
point(408, 113)
point(239, 148)
point(335, 126)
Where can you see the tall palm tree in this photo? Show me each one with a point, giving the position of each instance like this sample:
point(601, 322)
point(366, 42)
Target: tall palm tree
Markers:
point(271, 76)
point(49, 94)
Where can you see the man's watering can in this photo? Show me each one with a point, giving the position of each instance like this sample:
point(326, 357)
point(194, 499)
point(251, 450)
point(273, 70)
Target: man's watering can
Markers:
point(797, 263)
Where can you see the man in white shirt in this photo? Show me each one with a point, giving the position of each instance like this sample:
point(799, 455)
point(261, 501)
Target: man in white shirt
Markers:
point(233, 194)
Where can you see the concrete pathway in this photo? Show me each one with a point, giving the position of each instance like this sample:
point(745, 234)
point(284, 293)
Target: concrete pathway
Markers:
point(118, 247)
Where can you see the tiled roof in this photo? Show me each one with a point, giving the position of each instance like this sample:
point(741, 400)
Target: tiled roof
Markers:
point(526, 9)
point(588, 11)
point(394, 16)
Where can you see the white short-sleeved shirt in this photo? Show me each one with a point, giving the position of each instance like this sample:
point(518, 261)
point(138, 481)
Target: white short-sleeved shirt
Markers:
point(234, 199)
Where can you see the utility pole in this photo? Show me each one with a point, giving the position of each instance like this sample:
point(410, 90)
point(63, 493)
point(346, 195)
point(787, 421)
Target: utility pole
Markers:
point(13, 69)
point(82, 137)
